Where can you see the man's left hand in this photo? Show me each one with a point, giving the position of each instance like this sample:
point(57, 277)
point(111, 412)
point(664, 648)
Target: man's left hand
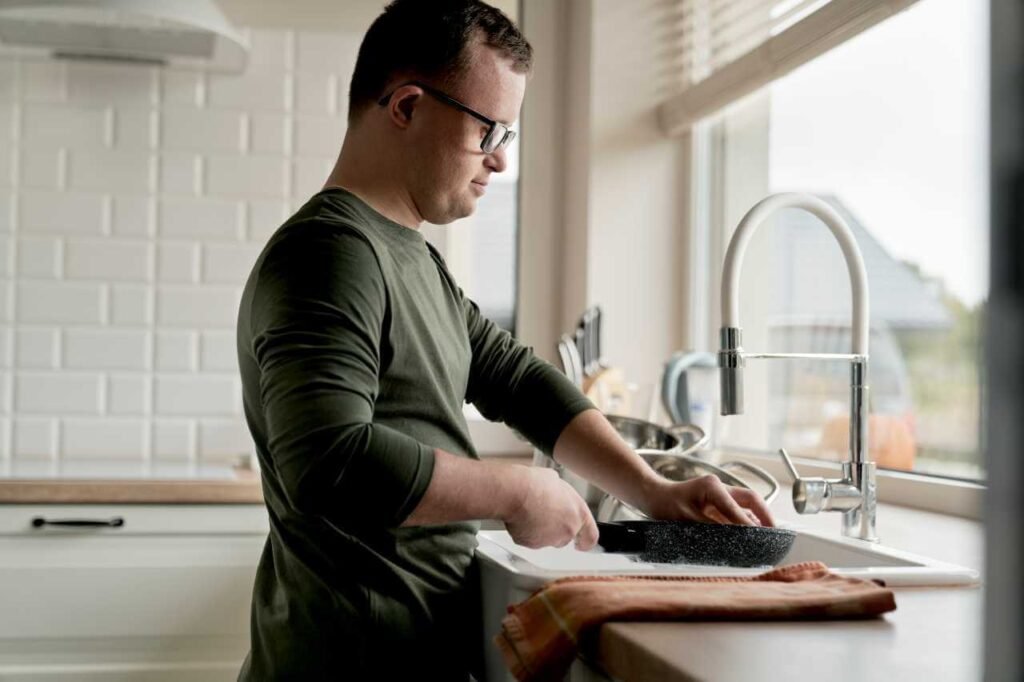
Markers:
point(709, 500)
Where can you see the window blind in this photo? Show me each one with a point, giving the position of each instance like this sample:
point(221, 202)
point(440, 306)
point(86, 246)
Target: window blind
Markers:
point(730, 48)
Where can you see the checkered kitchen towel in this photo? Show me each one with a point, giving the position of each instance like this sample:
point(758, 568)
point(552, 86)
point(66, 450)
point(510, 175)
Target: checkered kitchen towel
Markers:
point(540, 635)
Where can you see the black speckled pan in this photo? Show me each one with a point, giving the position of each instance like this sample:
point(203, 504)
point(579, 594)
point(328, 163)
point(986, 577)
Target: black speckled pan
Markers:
point(689, 542)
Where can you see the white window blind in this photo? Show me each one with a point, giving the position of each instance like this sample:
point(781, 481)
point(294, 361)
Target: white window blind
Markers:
point(730, 48)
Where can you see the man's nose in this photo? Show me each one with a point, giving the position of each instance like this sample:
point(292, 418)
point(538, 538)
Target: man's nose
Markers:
point(497, 161)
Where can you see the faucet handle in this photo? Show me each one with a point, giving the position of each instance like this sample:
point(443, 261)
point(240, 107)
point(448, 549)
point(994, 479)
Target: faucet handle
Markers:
point(809, 494)
point(789, 464)
point(814, 494)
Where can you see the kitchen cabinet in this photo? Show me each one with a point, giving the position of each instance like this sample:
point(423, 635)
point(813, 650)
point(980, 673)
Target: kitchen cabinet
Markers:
point(164, 595)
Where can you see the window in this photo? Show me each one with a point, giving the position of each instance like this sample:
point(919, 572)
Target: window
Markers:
point(891, 129)
point(481, 249)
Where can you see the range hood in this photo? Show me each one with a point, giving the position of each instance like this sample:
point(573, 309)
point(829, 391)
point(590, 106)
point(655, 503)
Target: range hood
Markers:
point(185, 33)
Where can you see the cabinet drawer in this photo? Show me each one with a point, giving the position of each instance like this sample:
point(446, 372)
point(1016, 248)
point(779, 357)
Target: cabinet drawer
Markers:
point(127, 586)
point(137, 519)
point(138, 659)
point(166, 571)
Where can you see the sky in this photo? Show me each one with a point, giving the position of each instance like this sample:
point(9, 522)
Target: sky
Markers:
point(895, 123)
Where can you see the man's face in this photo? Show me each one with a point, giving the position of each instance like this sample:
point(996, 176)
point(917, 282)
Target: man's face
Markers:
point(449, 172)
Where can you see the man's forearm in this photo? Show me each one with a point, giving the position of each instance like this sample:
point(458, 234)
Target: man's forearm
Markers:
point(591, 447)
point(464, 489)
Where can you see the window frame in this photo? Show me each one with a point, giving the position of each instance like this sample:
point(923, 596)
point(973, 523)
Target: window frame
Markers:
point(706, 247)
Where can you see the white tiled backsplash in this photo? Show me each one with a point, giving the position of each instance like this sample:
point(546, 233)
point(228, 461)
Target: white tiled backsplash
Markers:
point(133, 202)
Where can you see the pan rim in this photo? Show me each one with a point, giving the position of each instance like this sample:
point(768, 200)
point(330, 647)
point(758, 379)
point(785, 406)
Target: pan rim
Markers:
point(715, 543)
point(764, 530)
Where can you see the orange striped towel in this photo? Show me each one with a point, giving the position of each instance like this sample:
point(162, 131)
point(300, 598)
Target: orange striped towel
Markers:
point(540, 635)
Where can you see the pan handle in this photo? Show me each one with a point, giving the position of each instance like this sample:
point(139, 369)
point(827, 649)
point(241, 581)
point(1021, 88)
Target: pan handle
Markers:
point(758, 472)
point(616, 537)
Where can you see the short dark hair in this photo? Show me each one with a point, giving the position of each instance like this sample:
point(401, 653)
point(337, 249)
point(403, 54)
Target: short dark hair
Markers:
point(427, 39)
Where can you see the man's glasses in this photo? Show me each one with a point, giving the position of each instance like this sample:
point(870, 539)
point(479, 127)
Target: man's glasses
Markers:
point(498, 135)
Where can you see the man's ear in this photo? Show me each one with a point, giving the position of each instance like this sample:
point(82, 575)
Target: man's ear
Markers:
point(402, 105)
point(407, 105)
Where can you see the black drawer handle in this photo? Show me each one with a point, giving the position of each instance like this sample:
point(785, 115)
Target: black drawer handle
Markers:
point(117, 521)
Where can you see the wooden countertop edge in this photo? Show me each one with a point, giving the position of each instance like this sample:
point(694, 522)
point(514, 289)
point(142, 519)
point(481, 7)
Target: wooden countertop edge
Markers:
point(131, 491)
point(625, 651)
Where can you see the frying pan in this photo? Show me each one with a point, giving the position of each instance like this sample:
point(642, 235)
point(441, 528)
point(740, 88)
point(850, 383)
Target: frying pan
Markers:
point(691, 542)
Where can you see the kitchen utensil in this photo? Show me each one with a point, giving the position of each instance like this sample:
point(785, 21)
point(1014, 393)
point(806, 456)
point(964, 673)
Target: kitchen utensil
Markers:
point(682, 466)
point(641, 434)
point(587, 322)
point(598, 357)
point(563, 355)
point(572, 354)
point(609, 391)
point(635, 432)
point(581, 350)
point(594, 336)
point(690, 542)
point(581, 330)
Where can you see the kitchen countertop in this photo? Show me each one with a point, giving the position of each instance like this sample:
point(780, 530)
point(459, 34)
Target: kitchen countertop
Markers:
point(934, 634)
point(213, 485)
point(234, 486)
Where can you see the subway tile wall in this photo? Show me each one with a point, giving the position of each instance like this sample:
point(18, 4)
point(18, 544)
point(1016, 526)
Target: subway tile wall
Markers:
point(133, 203)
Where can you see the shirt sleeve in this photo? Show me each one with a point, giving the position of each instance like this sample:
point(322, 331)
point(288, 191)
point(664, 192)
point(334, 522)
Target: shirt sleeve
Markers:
point(508, 383)
point(318, 311)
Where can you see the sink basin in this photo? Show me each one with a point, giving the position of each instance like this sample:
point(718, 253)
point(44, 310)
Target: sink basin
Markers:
point(844, 556)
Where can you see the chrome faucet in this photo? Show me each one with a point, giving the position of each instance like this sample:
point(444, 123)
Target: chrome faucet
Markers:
point(855, 494)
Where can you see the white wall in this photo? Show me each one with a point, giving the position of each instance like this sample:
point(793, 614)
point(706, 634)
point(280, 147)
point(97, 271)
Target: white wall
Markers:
point(612, 202)
point(133, 202)
point(639, 198)
point(319, 15)
point(304, 15)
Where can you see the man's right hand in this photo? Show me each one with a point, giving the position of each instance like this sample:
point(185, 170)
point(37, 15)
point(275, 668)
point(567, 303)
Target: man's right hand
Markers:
point(550, 513)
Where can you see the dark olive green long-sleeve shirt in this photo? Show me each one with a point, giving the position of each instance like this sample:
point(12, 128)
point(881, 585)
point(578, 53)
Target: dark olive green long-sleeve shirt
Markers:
point(357, 351)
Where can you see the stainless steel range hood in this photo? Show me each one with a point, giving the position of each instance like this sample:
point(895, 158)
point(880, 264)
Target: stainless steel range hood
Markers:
point(188, 33)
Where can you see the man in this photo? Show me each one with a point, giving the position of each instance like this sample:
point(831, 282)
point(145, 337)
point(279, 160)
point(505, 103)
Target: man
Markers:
point(357, 351)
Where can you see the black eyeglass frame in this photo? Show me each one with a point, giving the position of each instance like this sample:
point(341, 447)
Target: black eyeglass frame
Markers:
point(488, 144)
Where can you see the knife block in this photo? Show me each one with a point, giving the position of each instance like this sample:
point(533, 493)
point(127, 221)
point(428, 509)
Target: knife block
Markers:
point(609, 391)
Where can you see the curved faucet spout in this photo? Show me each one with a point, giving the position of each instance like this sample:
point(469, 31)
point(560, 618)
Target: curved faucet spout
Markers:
point(828, 215)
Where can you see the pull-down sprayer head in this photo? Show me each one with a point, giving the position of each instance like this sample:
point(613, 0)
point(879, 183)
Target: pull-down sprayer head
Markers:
point(730, 363)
